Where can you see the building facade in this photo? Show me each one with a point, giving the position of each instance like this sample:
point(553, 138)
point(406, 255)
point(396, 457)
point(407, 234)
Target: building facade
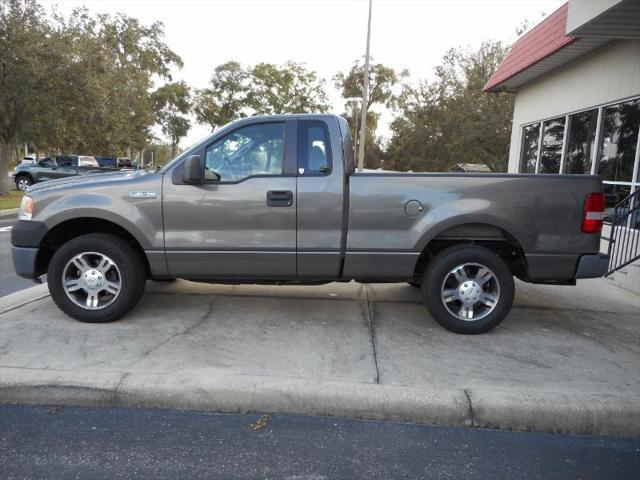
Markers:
point(576, 79)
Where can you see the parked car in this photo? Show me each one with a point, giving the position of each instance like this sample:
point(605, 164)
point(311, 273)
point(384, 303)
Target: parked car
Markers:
point(124, 162)
point(56, 167)
point(107, 161)
point(114, 162)
point(278, 200)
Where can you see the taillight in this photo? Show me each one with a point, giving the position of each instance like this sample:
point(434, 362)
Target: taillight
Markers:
point(593, 214)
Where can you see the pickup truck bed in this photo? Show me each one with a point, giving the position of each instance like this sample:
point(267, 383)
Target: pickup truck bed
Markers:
point(277, 199)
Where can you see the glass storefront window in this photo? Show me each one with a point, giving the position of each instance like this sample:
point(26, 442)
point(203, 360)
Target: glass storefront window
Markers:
point(617, 151)
point(551, 152)
point(581, 140)
point(529, 156)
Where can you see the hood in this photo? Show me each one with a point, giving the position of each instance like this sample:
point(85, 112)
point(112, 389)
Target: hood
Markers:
point(24, 166)
point(89, 180)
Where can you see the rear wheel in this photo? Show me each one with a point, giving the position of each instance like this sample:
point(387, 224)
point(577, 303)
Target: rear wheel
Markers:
point(96, 278)
point(468, 289)
point(23, 182)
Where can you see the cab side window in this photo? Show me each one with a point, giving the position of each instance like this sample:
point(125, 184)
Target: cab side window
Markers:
point(46, 163)
point(314, 148)
point(63, 161)
point(246, 152)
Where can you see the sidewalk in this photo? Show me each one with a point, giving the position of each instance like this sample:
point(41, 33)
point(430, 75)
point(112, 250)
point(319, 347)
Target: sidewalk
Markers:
point(566, 359)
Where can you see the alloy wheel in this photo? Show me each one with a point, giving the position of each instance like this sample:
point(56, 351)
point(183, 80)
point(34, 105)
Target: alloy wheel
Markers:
point(91, 280)
point(470, 291)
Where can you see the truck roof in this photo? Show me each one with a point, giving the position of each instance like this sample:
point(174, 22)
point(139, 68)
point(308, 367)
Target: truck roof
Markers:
point(284, 116)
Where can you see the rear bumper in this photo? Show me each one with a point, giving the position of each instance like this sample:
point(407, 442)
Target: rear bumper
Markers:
point(565, 268)
point(592, 266)
point(24, 261)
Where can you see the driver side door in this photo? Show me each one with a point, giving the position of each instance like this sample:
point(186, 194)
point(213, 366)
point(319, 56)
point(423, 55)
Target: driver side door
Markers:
point(241, 223)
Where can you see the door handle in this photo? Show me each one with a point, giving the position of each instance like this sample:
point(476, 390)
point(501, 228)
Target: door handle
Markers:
point(279, 198)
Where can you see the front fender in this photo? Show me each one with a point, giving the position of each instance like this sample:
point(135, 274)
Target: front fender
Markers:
point(141, 217)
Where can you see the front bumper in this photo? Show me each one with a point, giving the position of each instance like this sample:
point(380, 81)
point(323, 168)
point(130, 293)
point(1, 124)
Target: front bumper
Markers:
point(26, 237)
point(24, 261)
point(592, 266)
point(28, 233)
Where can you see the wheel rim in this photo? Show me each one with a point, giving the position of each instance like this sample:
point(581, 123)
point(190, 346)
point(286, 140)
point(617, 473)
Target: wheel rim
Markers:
point(23, 184)
point(91, 280)
point(470, 291)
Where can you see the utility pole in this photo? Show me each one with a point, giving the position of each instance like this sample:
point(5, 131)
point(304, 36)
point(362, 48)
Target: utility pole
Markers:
point(365, 96)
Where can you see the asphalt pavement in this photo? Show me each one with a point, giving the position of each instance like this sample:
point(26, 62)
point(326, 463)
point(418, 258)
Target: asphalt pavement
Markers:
point(70, 442)
point(9, 281)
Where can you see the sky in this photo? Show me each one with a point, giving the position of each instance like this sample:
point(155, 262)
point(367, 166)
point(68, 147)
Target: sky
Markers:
point(326, 35)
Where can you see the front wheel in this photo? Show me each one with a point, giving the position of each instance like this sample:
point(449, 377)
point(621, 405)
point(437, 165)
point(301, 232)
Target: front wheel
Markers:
point(96, 278)
point(468, 289)
point(23, 182)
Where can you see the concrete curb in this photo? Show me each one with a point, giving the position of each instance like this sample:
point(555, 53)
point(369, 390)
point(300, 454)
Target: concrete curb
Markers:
point(514, 410)
point(23, 297)
point(556, 412)
point(9, 212)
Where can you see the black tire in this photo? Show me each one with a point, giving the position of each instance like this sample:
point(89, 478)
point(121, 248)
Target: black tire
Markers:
point(414, 284)
point(131, 269)
point(23, 181)
point(439, 270)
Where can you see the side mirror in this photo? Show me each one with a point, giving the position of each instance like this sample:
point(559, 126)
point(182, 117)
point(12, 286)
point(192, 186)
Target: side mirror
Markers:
point(193, 170)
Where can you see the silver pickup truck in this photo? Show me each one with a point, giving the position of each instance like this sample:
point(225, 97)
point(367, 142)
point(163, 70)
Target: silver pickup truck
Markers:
point(56, 167)
point(278, 200)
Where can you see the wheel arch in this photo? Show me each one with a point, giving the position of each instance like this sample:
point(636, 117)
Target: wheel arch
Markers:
point(23, 174)
point(487, 234)
point(72, 228)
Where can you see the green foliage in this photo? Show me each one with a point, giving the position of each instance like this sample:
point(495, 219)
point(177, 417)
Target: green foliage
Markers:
point(24, 69)
point(264, 89)
point(382, 79)
point(225, 100)
point(171, 102)
point(382, 82)
point(79, 84)
point(451, 120)
point(290, 88)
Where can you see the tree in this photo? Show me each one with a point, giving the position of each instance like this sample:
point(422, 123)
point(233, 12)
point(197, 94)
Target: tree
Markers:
point(171, 102)
point(225, 100)
point(264, 89)
point(289, 88)
point(79, 84)
point(382, 80)
point(120, 58)
point(23, 75)
point(451, 119)
point(382, 83)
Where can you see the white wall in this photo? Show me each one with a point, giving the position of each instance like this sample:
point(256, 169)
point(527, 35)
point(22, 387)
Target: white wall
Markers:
point(609, 73)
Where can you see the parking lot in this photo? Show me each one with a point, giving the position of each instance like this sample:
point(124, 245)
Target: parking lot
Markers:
point(566, 359)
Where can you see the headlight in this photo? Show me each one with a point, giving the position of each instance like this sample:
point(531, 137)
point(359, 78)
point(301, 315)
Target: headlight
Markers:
point(26, 208)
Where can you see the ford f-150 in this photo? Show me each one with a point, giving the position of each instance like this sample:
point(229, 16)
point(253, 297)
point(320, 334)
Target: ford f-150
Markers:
point(278, 200)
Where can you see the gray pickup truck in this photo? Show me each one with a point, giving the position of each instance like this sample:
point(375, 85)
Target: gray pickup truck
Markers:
point(278, 200)
point(56, 167)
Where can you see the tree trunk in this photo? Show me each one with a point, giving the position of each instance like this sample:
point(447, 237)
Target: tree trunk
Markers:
point(174, 147)
point(5, 162)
